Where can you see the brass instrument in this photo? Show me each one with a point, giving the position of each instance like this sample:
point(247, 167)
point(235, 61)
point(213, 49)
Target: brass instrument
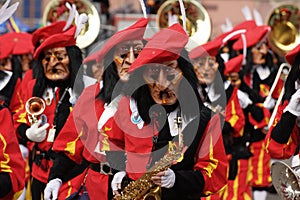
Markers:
point(198, 23)
point(34, 106)
point(282, 74)
point(285, 177)
point(144, 188)
point(56, 10)
point(285, 24)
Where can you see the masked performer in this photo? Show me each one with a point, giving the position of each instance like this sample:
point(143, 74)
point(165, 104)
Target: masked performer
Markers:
point(78, 139)
point(59, 60)
point(163, 87)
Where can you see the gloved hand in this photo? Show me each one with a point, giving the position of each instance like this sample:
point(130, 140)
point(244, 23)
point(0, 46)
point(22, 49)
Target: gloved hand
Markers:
point(269, 103)
point(52, 188)
point(24, 151)
point(168, 180)
point(294, 104)
point(164, 179)
point(36, 133)
point(116, 182)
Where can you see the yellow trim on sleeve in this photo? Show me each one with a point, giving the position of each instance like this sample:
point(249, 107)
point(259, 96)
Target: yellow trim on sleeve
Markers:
point(212, 165)
point(70, 146)
point(4, 167)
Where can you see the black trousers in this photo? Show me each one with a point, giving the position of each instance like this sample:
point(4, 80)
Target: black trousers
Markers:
point(37, 189)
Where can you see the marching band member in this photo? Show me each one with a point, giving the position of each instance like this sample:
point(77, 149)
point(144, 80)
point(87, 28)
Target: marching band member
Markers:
point(12, 173)
point(240, 187)
point(282, 140)
point(78, 139)
point(161, 79)
point(59, 60)
point(209, 68)
point(259, 73)
point(10, 76)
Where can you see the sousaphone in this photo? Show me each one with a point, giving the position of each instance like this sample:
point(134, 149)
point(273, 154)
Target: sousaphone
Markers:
point(285, 178)
point(56, 10)
point(198, 23)
point(285, 23)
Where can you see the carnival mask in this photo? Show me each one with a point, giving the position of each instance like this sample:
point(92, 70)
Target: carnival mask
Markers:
point(259, 53)
point(124, 55)
point(205, 69)
point(163, 81)
point(56, 64)
point(5, 64)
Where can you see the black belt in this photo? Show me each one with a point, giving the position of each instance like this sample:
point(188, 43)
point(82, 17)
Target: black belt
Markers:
point(102, 168)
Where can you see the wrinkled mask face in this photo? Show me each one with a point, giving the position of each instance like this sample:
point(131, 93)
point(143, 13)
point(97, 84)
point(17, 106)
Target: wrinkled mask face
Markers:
point(259, 53)
point(124, 55)
point(56, 64)
point(25, 61)
point(234, 79)
point(163, 81)
point(205, 69)
point(5, 64)
point(97, 70)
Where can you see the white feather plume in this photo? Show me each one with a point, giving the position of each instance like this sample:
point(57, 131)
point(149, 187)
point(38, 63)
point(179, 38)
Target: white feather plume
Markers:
point(143, 8)
point(258, 18)
point(227, 26)
point(172, 19)
point(4, 6)
point(247, 13)
point(244, 48)
point(71, 17)
point(80, 23)
point(182, 9)
point(6, 12)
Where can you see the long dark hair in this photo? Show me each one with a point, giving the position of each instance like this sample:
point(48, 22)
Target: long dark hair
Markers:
point(110, 78)
point(137, 88)
point(294, 74)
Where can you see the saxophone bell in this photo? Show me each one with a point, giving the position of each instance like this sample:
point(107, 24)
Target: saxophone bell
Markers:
point(154, 194)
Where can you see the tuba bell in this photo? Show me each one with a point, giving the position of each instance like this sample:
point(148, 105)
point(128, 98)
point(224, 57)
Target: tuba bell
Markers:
point(198, 23)
point(34, 106)
point(56, 10)
point(285, 24)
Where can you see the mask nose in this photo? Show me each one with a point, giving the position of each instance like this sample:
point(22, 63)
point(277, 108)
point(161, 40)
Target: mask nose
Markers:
point(130, 57)
point(162, 81)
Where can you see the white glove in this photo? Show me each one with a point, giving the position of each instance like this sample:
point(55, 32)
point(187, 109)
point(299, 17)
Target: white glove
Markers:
point(52, 188)
point(36, 133)
point(24, 151)
point(117, 180)
point(168, 180)
point(269, 103)
point(294, 104)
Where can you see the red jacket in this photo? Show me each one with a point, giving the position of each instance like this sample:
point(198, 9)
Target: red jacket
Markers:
point(11, 160)
point(208, 156)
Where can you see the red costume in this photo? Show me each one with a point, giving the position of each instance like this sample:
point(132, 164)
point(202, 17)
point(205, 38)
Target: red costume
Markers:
point(11, 161)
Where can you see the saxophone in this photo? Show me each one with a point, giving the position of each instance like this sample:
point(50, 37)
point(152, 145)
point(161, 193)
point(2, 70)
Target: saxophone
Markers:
point(144, 188)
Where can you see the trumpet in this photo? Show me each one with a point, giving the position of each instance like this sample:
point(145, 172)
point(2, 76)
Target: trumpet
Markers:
point(34, 106)
point(282, 73)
